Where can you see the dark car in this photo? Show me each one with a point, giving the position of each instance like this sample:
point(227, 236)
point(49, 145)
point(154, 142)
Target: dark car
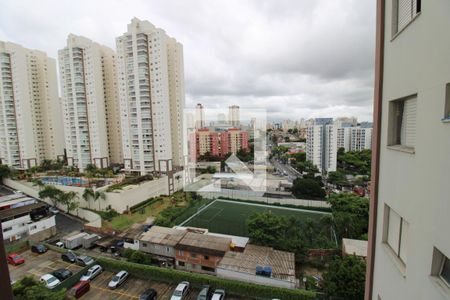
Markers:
point(205, 293)
point(69, 257)
point(149, 294)
point(39, 248)
point(62, 274)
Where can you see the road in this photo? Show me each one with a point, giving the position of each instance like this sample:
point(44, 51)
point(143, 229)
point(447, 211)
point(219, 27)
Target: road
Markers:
point(287, 169)
point(66, 224)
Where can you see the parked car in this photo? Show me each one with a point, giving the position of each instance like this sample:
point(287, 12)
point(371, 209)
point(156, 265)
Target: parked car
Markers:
point(79, 289)
point(118, 279)
point(53, 210)
point(218, 295)
point(62, 274)
point(39, 248)
point(149, 294)
point(205, 293)
point(69, 257)
point(180, 291)
point(84, 260)
point(15, 259)
point(93, 272)
point(49, 280)
point(59, 244)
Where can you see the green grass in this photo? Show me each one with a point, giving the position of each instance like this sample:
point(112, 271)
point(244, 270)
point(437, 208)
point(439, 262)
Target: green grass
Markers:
point(230, 218)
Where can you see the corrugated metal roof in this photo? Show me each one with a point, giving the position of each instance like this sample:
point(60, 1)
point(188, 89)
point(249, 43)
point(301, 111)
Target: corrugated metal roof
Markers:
point(162, 236)
point(204, 243)
point(281, 262)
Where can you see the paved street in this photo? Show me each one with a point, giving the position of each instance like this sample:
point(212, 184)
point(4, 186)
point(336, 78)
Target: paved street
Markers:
point(290, 171)
point(65, 224)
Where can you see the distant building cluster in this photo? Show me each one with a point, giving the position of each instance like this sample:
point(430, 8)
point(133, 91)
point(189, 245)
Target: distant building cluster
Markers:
point(219, 144)
point(325, 136)
point(122, 106)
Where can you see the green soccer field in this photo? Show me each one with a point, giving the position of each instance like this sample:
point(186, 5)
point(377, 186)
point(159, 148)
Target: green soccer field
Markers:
point(230, 217)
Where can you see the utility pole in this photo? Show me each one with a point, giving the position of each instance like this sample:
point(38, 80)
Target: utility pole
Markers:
point(5, 281)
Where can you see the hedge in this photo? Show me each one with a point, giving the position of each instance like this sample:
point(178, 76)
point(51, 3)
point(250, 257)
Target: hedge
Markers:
point(305, 207)
point(145, 203)
point(252, 291)
point(19, 246)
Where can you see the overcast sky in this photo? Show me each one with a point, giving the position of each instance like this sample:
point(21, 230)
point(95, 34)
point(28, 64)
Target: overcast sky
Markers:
point(298, 58)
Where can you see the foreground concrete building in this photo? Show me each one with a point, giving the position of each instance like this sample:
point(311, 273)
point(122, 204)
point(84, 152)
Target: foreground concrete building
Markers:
point(90, 103)
point(409, 247)
point(151, 90)
point(30, 112)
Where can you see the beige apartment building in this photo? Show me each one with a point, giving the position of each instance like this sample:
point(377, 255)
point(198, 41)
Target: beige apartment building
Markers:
point(151, 92)
point(30, 112)
point(409, 247)
point(90, 103)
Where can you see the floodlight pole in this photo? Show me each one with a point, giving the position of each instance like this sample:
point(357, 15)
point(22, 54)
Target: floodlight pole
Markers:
point(5, 281)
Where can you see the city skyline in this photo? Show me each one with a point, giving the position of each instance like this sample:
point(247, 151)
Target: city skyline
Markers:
point(243, 73)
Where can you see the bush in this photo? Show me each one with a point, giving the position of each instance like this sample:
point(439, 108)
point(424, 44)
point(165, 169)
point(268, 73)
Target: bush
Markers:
point(252, 291)
point(144, 204)
point(107, 215)
point(129, 181)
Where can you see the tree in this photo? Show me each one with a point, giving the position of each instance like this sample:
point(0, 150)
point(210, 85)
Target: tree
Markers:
point(29, 289)
point(306, 167)
point(5, 171)
point(299, 156)
point(88, 193)
point(279, 232)
point(345, 278)
point(52, 193)
point(337, 177)
point(307, 188)
point(350, 215)
point(72, 206)
point(66, 198)
point(99, 195)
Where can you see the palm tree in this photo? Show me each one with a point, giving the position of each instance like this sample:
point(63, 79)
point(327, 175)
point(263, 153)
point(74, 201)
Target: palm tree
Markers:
point(87, 195)
point(68, 198)
point(52, 193)
point(98, 195)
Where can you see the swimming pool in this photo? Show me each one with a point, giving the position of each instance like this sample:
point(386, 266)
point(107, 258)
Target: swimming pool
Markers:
point(64, 180)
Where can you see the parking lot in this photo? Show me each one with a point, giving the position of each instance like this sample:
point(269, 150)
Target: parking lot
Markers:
point(38, 265)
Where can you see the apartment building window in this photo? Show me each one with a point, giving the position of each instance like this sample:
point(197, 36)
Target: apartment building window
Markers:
point(447, 103)
point(440, 268)
point(395, 233)
point(181, 263)
point(403, 12)
point(402, 123)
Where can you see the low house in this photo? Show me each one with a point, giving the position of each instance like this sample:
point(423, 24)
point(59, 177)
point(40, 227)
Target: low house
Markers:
point(201, 253)
point(32, 221)
point(354, 247)
point(161, 242)
point(260, 265)
point(131, 236)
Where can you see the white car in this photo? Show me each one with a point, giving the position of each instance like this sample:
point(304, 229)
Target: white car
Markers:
point(50, 281)
point(54, 210)
point(93, 272)
point(118, 279)
point(60, 244)
point(181, 291)
point(218, 295)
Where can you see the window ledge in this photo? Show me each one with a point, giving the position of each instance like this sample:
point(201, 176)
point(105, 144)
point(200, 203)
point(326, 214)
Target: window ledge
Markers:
point(402, 148)
point(404, 27)
point(441, 286)
point(446, 120)
point(401, 267)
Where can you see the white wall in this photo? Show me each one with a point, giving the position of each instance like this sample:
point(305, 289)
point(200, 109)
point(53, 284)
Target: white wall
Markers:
point(230, 274)
point(22, 226)
point(416, 185)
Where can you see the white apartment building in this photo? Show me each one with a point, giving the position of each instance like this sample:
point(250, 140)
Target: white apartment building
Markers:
point(409, 247)
point(30, 112)
point(90, 103)
point(354, 138)
point(233, 116)
point(151, 92)
point(321, 146)
point(360, 138)
point(199, 116)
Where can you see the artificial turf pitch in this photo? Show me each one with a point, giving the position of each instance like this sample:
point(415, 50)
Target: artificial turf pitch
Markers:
point(230, 217)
